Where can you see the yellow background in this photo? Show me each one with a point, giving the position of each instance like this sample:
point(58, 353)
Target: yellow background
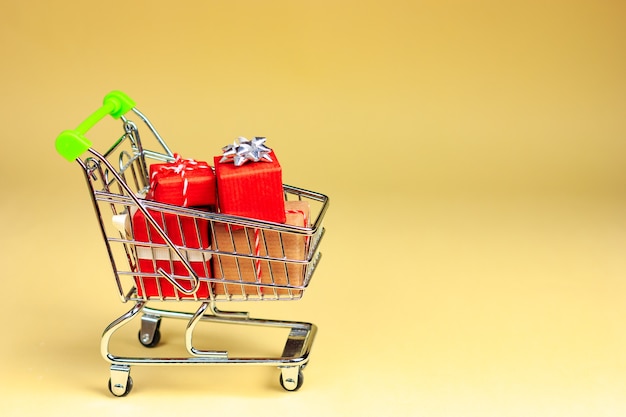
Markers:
point(474, 155)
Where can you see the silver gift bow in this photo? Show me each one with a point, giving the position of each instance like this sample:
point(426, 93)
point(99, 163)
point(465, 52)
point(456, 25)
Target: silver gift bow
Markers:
point(243, 150)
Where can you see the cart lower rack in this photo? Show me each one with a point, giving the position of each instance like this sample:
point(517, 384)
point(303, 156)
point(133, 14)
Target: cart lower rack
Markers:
point(293, 360)
point(163, 253)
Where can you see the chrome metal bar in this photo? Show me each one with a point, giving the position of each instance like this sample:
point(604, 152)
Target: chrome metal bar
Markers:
point(296, 351)
point(211, 354)
point(154, 131)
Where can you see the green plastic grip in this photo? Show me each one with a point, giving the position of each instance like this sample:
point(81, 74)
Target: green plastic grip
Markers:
point(70, 144)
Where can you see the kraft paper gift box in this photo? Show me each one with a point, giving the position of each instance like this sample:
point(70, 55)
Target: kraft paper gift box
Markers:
point(294, 247)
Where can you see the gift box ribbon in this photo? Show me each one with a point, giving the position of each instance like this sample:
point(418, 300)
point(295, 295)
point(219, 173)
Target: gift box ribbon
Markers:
point(179, 167)
point(165, 254)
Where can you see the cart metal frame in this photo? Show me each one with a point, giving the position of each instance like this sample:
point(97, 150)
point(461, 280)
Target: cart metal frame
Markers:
point(117, 179)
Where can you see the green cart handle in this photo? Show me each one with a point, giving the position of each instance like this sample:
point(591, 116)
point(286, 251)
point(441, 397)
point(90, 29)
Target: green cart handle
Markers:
point(70, 144)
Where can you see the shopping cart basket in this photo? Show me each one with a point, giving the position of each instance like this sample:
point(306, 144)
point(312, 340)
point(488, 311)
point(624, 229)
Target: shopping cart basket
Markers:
point(118, 181)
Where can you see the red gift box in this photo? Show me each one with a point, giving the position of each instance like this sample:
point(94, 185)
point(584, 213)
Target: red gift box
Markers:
point(184, 182)
point(192, 233)
point(253, 190)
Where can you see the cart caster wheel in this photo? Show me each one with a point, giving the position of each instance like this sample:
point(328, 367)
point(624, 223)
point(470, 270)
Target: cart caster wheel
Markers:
point(144, 339)
point(291, 380)
point(150, 334)
point(121, 390)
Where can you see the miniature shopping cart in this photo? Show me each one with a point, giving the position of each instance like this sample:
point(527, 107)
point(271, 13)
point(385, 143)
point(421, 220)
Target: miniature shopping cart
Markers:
point(180, 271)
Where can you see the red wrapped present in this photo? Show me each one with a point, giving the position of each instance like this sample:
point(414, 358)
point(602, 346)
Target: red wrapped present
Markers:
point(188, 232)
point(255, 189)
point(184, 182)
